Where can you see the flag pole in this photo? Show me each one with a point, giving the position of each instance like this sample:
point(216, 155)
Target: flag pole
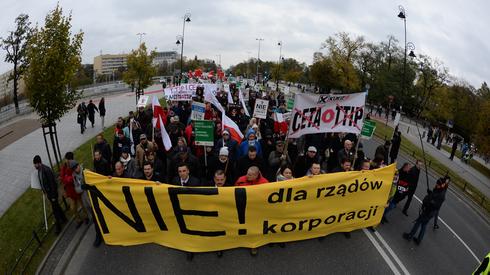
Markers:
point(355, 155)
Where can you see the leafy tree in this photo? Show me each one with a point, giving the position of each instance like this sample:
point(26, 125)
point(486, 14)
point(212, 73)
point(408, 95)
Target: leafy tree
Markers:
point(54, 57)
point(140, 69)
point(482, 131)
point(15, 45)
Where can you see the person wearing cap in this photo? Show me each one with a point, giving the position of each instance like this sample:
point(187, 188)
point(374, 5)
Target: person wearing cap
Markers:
point(277, 158)
point(304, 162)
point(143, 147)
point(47, 181)
point(228, 142)
point(224, 163)
point(431, 204)
point(250, 140)
point(120, 141)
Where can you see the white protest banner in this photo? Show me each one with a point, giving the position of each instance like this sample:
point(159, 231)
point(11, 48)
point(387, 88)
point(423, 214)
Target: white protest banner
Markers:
point(314, 114)
point(226, 87)
point(198, 110)
point(142, 101)
point(183, 92)
point(260, 110)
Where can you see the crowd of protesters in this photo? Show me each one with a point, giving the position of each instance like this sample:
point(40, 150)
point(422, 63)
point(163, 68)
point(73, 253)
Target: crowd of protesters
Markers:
point(264, 155)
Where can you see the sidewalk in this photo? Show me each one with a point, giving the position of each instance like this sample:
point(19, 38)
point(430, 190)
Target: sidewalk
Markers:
point(478, 180)
point(16, 158)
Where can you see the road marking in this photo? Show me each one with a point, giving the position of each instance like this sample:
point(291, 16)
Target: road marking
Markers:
point(457, 236)
point(382, 252)
point(398, 261)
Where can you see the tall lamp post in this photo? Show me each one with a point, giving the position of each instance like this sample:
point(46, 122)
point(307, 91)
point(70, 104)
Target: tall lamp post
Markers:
point(278, 65)
point(258, 58)
point(408, 46)
point(187, 19)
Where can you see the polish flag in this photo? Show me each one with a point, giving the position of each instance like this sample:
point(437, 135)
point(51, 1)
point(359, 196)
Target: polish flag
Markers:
point(235, 132)
point(158, 122)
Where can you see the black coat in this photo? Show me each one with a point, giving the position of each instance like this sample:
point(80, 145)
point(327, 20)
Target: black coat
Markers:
point(105, 150)
point(303, 163)
point(244, 163)
point(102, 108)
point(102, 167)
point(47, 181)
point(214, 164)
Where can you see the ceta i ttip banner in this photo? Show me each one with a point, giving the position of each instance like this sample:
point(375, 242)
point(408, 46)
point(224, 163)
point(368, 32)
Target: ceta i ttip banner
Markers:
point(200, 219)
point(185, 92)
point(314, 114)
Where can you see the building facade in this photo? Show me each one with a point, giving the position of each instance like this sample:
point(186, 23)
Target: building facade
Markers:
point(106, 64)
point(7, 87)
point(167, 57)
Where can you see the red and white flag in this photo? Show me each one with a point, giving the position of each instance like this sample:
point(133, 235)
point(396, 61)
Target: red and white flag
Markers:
point(235, 132)
point(158, 116)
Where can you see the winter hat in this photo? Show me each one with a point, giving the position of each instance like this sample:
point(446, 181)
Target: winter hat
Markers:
point(223, 151)
point(312, 149)
point(125, 149)
point(73, 164)
point(142, 136)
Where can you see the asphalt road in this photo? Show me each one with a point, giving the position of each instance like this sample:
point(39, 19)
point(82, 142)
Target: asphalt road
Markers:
point(455, 248)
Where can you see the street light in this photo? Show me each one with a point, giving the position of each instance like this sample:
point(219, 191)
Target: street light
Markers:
point(140, 34)
point(258, 57)
point(279, 65)
point(408, 46)
point(187, 19)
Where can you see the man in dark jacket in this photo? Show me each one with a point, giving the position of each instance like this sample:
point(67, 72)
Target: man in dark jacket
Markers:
point(227, 141)
point(104, 148)
point(430, 205)
point(347, 153)
point(412, 184)
point(148, 173)
point(184, 178)
point(102, 112)
point(101, 165)
point(304, 162)
point(249, 160)
point(119, 142)
point(384, 150)
point(223, 163)
point(187, 158)
point(50, 188)
point(456, 141)
point(91, 108)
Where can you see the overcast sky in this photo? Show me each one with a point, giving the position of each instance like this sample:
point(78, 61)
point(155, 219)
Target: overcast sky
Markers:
point(454, 32)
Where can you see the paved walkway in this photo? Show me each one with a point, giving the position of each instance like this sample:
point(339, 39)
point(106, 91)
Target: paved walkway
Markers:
point(477, 179)
point(16, 158)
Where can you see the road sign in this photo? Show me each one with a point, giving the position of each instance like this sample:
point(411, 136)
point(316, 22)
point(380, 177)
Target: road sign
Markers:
point(368, 129)
point(204, 130)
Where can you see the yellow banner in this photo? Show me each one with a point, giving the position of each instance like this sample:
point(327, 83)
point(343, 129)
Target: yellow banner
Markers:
point(199, 219)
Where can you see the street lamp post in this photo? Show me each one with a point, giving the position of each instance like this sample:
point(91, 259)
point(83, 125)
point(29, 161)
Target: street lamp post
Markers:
point(187, 19)
point(258, 57)
point(408, 46)
point(140, 34)
point(278, 65)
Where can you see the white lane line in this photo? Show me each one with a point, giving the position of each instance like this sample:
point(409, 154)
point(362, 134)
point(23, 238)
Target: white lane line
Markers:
point(457, 236)
point(382, 252)
point(385, 244)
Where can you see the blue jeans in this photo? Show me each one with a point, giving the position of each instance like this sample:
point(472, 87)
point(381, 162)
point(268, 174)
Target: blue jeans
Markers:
point(423, 224)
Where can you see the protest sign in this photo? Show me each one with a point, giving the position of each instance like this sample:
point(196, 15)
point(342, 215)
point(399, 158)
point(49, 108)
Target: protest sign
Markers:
point(204, 130)
point(185, 92)
point(143, 100)
point(368, 129)
point(198, 110)
point(260, 110)
point(200, 219)
point(314, 114)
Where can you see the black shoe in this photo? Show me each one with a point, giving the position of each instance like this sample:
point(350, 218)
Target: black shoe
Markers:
point(347, 235)
point(282, 245)
point(416, 241)
point(254, 252)
point(406, 236)
point(372, 229)
point(384, 220)
point(219, 254)
point(405, 213)
point(98, 241)
point(320, 239)
point(190, 256)
point(436, 226)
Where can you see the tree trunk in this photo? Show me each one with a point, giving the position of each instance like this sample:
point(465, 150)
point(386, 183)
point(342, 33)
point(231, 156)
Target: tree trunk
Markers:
point(16, 79)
